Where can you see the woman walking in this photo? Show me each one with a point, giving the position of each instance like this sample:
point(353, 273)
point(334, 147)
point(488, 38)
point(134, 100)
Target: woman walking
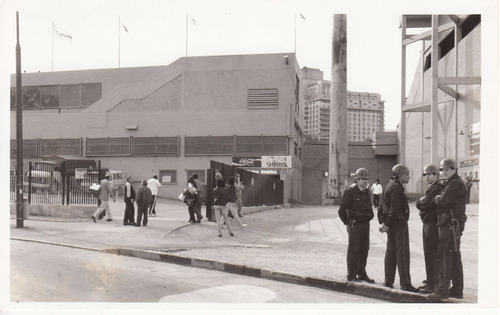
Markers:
point(221, 197)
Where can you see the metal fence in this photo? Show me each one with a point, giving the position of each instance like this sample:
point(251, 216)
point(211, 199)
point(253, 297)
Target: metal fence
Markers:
point(57, 182)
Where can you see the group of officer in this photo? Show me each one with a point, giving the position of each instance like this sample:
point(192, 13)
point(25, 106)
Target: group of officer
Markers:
point(442, 210)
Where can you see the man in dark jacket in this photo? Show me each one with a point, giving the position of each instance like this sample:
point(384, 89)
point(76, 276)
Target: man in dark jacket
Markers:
point(398, 243)
point(129, 198)
point(356, 212)
point(451, 221)
point(429, 230)
point(143, 199)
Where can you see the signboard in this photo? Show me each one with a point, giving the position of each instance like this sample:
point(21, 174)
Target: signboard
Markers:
point(283, 161)
point(264, 171)
point(475, 137)
point(247, 161)
point(80, 173)
point(469, 163)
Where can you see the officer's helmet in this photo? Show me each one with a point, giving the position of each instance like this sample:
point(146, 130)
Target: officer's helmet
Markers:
point(400, 169)
point(431, 169)
point(361, 173)
point(448, 162)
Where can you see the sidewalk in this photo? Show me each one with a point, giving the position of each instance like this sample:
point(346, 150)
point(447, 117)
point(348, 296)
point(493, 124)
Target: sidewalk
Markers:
point(303, 245)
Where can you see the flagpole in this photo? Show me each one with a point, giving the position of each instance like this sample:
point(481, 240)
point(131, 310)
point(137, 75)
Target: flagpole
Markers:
point(53, 30)
point(295, 37)
point(119, 31)
point(187, 27)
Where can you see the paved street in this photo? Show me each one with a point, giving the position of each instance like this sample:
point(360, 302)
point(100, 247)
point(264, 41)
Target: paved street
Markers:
point(303, 242)
point(48, 273)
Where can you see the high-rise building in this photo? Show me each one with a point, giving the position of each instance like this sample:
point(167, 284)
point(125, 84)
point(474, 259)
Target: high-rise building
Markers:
point(365, 113)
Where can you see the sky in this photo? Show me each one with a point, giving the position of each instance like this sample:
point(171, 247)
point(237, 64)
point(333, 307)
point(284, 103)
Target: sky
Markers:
point(126, 33)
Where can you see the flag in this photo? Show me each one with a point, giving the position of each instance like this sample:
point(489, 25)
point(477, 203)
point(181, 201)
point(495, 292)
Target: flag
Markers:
point(66, 36)
point(303, 17)
point(125, 28)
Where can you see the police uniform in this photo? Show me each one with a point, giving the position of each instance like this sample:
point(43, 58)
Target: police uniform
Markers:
point(398, 245)
point(356, 212)
point(449, 258)
point(430, 231)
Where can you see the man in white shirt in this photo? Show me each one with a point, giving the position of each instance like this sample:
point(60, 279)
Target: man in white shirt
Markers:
point(376, 191)
point(153, 184)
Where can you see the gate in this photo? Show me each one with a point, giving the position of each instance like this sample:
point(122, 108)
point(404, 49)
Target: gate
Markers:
point(260, 190)
point(58, 182)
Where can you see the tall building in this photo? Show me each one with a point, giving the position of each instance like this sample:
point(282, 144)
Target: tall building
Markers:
point(365, 113)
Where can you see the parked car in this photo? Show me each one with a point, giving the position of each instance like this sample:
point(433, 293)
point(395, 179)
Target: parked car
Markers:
point(45, 177)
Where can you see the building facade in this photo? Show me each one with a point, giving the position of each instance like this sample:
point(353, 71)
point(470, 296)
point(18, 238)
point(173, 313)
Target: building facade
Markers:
point(441, 113)
point(168, 120)
point(365, 113)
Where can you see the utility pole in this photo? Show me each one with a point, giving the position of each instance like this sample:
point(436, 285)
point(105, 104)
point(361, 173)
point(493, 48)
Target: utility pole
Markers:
point(337, 173)
point(19, 134)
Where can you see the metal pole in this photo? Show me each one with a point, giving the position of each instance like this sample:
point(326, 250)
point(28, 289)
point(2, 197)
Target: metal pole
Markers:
point(434, 88)
point(337, 173)
point(402, 148)
point(19, 133)
point(119, 31)
point(53, 30)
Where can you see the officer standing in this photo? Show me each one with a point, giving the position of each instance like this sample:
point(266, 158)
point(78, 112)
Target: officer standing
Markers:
point(396, 219)
point(451, 222)
point(429, 229)
point(356, 212)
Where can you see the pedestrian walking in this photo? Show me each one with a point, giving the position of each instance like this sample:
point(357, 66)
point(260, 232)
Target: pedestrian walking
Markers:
point(451, 222)
point(356, 213)
point(239, 187)
point(104, 193)
point(396, 219)
point(153, 185)
point(376, 192)
point(201, 195)
point(143, 200)
point(429, 229)
point(221, 197)
point(129, 198)
point(191, 200)
point(231, 204)
point(468, 186)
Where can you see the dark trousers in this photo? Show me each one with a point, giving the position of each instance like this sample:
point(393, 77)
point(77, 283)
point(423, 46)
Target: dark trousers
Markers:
point(357, 250)
point(457, 272)
point(376, 200)
point(430, 241)
point(152, 207)
point(128, 216)
point(142, 214)
point(444, 259)
point(398, 254)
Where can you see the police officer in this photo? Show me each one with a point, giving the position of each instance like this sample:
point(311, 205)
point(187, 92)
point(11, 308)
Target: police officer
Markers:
point(451, 221)
point(429, 229)
point(356, 212)
point(398, 244)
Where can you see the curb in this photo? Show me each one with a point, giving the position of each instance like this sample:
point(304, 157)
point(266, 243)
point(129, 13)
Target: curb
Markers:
point(361, 289)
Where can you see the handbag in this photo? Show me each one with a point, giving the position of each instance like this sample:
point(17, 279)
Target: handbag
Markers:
point(181, 196)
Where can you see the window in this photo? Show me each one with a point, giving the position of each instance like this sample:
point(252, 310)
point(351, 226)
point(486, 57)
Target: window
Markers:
point(29, 148)
point(168, 176)
point(208, 146)
point(144, 146)
point(201, 175)
point(61, 147)
point(262, 98)
point(108, 146)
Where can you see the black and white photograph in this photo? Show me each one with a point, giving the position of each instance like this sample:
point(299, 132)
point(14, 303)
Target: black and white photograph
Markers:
point(199, 157)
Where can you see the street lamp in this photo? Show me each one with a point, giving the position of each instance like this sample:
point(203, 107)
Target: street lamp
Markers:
point(462, 131)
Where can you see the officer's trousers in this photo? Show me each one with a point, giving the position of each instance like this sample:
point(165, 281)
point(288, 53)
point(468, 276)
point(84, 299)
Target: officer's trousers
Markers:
point(457, 272)
point(398, 254)
point(430, 241)
point(357, 250)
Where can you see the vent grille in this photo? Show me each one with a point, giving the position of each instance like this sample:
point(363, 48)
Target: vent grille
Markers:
point(262, 98)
